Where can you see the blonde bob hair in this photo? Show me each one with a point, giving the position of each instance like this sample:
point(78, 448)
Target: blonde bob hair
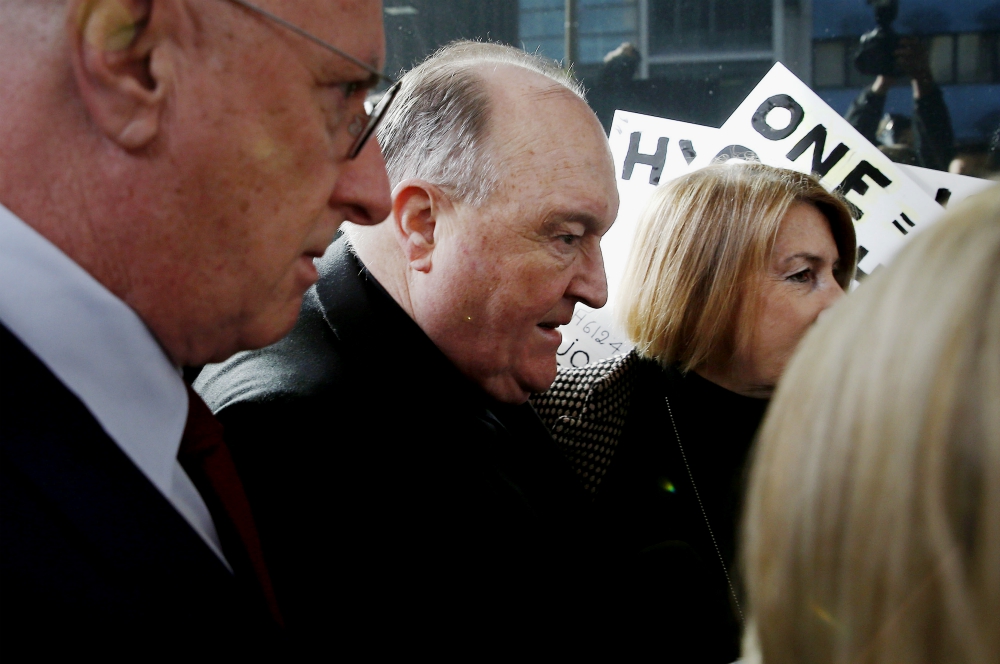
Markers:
point(872, 526)
point(702, 243)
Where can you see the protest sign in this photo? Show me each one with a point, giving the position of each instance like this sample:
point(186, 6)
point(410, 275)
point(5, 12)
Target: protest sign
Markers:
point(947, 189)
point(592, 335)
point(647, 151)
point(781, 123)
point(784, 123)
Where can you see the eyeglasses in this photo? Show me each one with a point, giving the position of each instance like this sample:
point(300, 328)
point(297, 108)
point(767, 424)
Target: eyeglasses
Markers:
point(362, 127)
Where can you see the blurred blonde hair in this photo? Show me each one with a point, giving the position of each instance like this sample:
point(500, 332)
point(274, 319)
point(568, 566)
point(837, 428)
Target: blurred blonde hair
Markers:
point(872, 526)
point(700, 244)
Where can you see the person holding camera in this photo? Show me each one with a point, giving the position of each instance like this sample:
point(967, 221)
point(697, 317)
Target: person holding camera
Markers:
point(926, 139)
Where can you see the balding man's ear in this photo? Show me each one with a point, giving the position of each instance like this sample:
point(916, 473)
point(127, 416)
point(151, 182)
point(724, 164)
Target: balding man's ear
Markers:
point(116, 68)
point(416, 205)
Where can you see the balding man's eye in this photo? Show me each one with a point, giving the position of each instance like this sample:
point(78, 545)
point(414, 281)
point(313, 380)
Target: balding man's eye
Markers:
point(569, 239)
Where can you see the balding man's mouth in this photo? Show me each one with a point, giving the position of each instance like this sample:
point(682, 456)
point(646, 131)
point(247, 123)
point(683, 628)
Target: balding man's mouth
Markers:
point(553, 324)
point(549, 332)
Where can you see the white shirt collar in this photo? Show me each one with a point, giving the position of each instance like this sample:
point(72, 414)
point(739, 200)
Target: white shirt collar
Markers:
point(103, 353)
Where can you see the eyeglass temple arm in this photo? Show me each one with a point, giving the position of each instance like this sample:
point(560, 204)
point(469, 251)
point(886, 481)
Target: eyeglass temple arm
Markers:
point(316, 40)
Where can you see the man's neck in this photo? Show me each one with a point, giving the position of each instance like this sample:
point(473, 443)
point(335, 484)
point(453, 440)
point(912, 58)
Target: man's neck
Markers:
point(376, 250)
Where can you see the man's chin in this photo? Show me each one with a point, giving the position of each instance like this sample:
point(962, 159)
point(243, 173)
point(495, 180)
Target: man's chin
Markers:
point(537, 381)
point(264, 330)
point(515, 384)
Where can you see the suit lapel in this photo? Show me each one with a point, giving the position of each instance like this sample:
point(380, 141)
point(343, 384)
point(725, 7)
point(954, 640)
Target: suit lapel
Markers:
point(54, 442)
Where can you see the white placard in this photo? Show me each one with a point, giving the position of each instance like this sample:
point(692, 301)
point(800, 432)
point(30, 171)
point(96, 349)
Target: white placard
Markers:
point(786, 124)
point(782, 123)
point(591, 336)
point(959, 187)
point(647, 151)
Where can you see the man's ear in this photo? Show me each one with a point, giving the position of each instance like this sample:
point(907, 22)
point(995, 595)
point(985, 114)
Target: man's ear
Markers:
point(112, 48)
point(416, 207)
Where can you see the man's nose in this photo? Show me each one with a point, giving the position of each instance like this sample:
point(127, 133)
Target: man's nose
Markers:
point(362, 189)
point(590, 285)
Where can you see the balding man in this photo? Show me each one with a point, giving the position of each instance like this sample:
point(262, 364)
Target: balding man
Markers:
point(169, 169)
point(402, 479)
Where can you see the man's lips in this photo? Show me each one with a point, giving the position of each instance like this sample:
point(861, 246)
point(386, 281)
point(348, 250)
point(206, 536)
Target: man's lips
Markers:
point(308, 274)
point(549, 331)
point(551, 325)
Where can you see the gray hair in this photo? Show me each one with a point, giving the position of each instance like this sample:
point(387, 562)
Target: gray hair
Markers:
point(438, 127)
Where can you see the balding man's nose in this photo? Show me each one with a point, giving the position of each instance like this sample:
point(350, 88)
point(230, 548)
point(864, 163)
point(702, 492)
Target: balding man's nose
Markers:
point(590, 286)
point(362, 189)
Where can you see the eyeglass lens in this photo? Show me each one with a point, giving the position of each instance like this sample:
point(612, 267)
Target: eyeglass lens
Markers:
point(373, 120)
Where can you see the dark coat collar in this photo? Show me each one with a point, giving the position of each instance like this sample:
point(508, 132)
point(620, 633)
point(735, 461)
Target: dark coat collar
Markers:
point(362, 315)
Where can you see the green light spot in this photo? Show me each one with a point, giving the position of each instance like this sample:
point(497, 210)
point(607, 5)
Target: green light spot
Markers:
point(668, 486)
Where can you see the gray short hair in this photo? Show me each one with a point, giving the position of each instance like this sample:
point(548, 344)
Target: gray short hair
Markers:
point(437, 128)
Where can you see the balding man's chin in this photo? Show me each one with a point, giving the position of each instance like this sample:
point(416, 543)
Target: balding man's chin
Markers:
point(517, 390)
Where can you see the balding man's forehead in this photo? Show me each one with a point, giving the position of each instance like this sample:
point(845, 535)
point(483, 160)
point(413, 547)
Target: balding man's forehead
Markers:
point(514, 81)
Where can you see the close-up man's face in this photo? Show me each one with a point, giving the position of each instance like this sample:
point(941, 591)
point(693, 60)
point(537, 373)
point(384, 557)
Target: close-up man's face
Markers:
point(262, 132)
point(511, 271)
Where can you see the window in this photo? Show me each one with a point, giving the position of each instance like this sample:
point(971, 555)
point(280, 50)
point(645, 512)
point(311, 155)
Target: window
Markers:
point(965, 58)
point(602, 26)
point(541, 27)
point(828, 64)
point(942, 57)
point(677, 26)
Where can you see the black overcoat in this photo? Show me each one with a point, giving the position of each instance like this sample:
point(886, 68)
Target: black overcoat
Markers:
point(395, 499)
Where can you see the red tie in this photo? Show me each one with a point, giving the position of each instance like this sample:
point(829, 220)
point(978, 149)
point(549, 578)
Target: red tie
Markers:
point(206, 459)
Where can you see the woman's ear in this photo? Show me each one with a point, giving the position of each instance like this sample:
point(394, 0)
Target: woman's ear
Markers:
point(116, 62)
point(416, 206)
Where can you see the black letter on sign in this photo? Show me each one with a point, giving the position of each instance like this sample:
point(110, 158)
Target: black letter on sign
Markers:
point(899, 227)
point(759, 120)
point(687, 149)
point(735, 152)
point(859, 273)
point(655, 160)
point(855, 182)
point(942, 197)
point(817, 138)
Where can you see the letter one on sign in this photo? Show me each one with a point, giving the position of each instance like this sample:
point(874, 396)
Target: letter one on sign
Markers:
point(759, 119)
point(817, 138)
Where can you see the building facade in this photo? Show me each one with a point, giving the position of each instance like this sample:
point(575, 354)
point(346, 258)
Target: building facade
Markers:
point(699, 58)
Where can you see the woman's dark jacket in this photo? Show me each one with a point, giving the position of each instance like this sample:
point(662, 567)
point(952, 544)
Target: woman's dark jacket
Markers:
point(612, 420)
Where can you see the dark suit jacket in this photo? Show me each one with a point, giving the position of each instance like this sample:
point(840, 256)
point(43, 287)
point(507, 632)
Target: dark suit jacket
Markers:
point(395, 499)
point(92, 556)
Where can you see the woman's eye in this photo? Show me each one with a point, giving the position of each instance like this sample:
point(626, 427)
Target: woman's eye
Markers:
point(801, 277)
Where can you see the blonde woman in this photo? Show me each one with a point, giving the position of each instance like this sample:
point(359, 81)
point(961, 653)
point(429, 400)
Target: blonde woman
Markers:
point(872, 530)
point(729, 267)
